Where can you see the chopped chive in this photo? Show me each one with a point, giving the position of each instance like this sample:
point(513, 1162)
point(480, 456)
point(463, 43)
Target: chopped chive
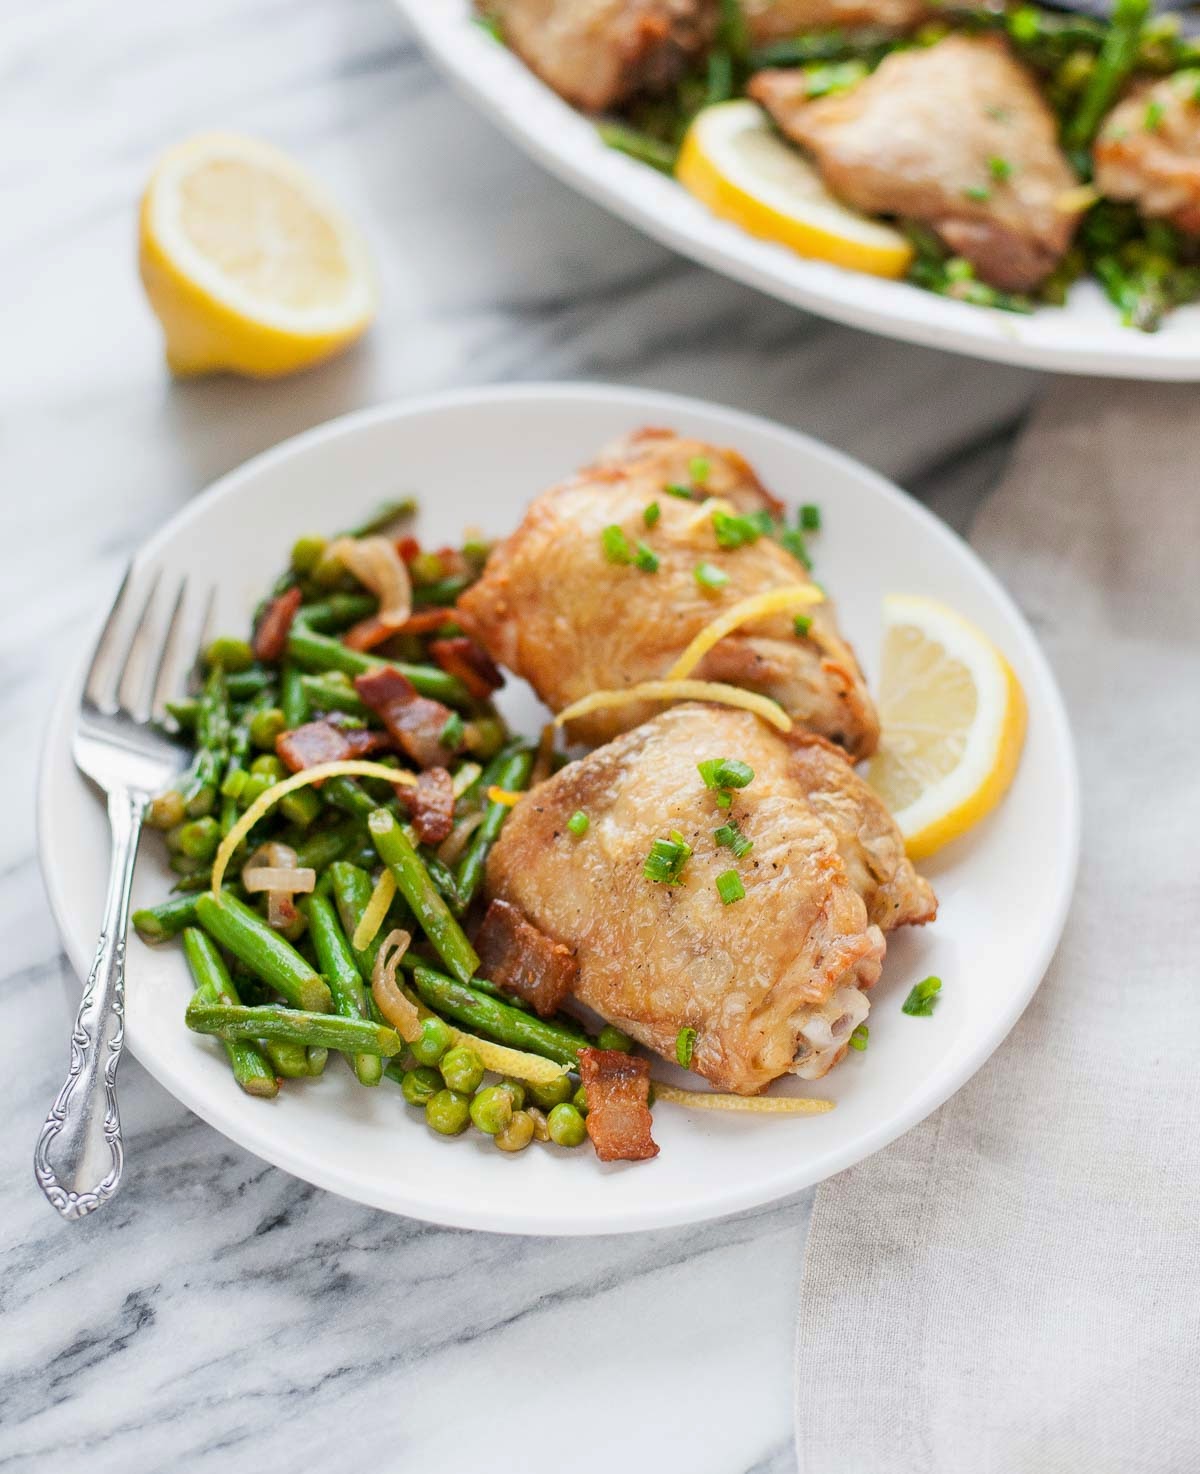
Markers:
point(685, 1043)
point(793, 542)
point(578, 823)
point(763, 520)
point(731, 836)
point(730, 887)
point(698, 469)
point(667, 857)
point(646, 558)
point(616, 545)
point(685, 493)
point(810, 517)
point(1153, 115)
point(802, 624)
point(652, 513)
point(725, 772)
point(1000, 168)
point(858, 1040)
point(709, 577)
point(733, 531)
point(920, 1002)
point(452, 733)
point(979, 193)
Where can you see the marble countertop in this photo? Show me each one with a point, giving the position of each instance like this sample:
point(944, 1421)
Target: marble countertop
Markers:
point(161, 1333)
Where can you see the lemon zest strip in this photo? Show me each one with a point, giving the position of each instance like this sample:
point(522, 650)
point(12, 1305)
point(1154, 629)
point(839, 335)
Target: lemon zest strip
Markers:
point(376, 909)
point(346, 768)
point(717, 691)
point(503, 796)
point(756, 606)
point(763, 1105)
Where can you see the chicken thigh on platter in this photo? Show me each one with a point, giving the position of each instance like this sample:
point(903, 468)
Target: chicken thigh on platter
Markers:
point(957, 135)
point(1148, 151)
point(555, 607)
point(780, 20)
point(774, 981)
point(599, 53)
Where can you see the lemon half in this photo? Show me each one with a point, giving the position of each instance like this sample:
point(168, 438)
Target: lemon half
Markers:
point(249, 266)
point(953, 717)
point(734, 161)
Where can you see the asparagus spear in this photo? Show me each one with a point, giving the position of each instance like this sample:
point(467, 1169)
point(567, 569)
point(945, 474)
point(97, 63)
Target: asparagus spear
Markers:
point(324, 694)
point(1118, 55)
point(483, 1014)
point(320, 652)
point(212, 736)
point(412, 878)
point(288, 1060)
point(318, 851)
point(339, 967)
point(244, 933)
point(351, 894)
point(337, 612)
point(214, 985)
point(293, 698)
point(243, 684)
point(315, 1030)
point(167, 919)
point(512, 773)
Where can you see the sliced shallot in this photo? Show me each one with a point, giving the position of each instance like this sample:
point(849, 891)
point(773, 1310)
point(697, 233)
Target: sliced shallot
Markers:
point(399, 1011)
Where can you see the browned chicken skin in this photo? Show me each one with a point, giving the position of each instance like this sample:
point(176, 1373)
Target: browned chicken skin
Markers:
point(553, 608)
point(771, 983)
point(957, 135)
point(777, 20)
point(599, 53)
point(867, 838)
point(1149, 151)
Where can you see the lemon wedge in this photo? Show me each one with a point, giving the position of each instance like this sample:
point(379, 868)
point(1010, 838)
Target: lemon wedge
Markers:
point(953, 717)
point(250, 268)
point(734, 161)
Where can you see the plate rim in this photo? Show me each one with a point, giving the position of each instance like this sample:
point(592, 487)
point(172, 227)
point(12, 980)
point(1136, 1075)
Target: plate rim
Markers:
point(245, 1132)
point(457, 48)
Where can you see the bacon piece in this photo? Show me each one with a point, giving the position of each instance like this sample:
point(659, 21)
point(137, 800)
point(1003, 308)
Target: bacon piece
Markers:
point(515, 955)
point(373, 631)
point(473, 666)
point(322, 742)
point(414, 721)
point(431, 804)
point(271, 633)
point(618, 1095)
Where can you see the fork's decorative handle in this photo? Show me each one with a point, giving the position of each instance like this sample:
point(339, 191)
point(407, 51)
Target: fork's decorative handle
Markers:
point(79, 1154)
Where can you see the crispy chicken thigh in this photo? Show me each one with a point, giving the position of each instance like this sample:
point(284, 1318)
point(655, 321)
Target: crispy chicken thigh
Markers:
point(598, 53)
point(772, 983)
point(867, 838)
point(552, 607)
point(777, 20)
point(957, 135)
point(1149, 151)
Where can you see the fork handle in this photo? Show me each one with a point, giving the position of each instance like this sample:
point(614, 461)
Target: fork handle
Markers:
point(79, 1154)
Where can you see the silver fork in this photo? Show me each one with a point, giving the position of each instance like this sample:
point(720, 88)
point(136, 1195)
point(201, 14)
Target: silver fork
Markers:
point(79, 1155)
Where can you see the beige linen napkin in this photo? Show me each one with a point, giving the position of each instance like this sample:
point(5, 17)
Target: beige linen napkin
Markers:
point(1014, 1286)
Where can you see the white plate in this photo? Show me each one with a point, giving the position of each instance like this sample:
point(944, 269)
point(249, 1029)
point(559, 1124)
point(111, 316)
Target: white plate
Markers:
point(476, 458)
point(1085, 337)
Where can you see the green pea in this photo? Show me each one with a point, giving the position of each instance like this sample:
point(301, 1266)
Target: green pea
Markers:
point(435, 1040)
point(448, 1112)
point(230, 653)
point(462, 1069)
point(517, 1135)
point(306, 552)
point(492, 1110)
point(550, 1093)
point(419, 1086)
point(327, 572)
point(613, 1038)
point(166, 811)
point(265, 726)
point(268, 766)
point(199, 839)
point(579, 1101)
point(255, 785)
point(516, 1090)
point(566, 1126)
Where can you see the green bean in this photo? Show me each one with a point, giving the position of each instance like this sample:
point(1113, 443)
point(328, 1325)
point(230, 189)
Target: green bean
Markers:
point(352, 890)
point(485, 1015)
point(413, 881)
point(319, 1030)
point(293, 698)
point(244, 933)
point(325, 694)
point(288, 1060)
point(337, 612)
point(339, 968)
point(1118, 55)
point(243, 684)
point(322, 653)
point(512, 774)
point(214, 985)
point(167, 919)
point(639, 145)
point(441, 590)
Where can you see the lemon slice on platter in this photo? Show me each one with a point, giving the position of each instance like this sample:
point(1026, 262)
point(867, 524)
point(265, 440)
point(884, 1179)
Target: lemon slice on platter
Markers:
point(733, 160)
point(953, 716)
point(250, 268)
